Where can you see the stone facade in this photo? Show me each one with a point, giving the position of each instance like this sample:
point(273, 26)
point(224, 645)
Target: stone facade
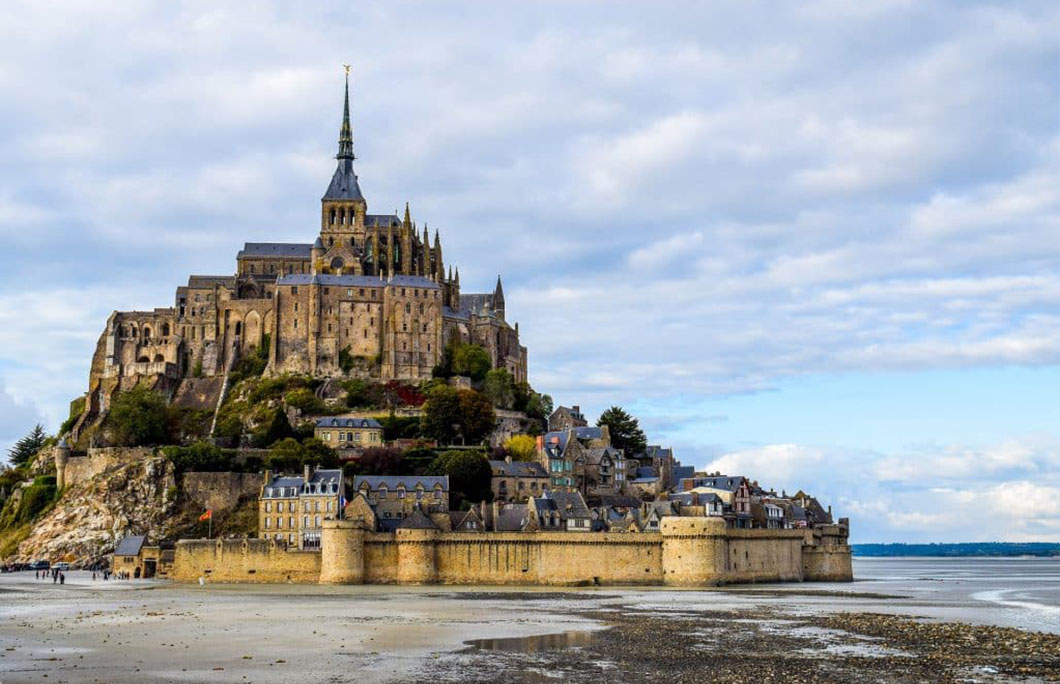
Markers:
point(371, 294)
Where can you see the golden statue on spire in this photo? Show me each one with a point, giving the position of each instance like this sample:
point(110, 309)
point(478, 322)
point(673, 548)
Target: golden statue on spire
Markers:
point(347, 68)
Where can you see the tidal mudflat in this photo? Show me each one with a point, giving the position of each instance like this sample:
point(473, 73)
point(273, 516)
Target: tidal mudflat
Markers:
point(898, 629)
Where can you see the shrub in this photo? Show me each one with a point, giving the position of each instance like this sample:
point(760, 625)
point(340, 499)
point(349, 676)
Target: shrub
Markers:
point(499, 388)
point(521, 447)
point(200, 456)
point(346, 360)
point(271, 431)
point(304, 399)
point(471, 360)
point(138, 417)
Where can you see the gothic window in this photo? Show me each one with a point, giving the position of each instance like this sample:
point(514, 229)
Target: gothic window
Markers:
point(331, 242)
point(408, 308)
point(272, 268)
point(332, 217)
point(147, 333)
point(252, 268)
point(165, 330)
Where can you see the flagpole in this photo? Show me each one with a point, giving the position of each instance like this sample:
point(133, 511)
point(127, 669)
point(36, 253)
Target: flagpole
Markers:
point(209, 527)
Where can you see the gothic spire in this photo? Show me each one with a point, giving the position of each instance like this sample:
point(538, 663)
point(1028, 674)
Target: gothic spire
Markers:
point(408, 217)
point(346, 132)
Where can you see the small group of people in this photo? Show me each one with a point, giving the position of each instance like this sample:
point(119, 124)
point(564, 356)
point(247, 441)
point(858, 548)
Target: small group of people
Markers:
point(105, 572)
point(57, 575)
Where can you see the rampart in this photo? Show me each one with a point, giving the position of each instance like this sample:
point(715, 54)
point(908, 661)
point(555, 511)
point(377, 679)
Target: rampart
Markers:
point(687, 552)
point(78, 469)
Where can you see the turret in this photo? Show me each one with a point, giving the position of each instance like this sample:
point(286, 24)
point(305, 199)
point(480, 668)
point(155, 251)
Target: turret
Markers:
point(439, 270)
point(62, 457)
point(498, 299)
point(316, 254)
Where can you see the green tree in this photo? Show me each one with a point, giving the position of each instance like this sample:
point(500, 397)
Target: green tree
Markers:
point(624, 429)
point(319, 454)
point(200, 456)
point(286, 455)
point(471, 360)
point(276, 428)
point(304, 399)
point(539, 406)
point(499, 388)
point(477, 418)
point(469, 475)
point(138, 417)
point(26, 448)
point(521, 447)
point(346, 361)
point(441, 414)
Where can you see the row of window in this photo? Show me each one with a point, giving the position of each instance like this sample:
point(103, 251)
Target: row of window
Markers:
point(290, 522)
point(369, 437)
point(382, 493)
point(290, 506)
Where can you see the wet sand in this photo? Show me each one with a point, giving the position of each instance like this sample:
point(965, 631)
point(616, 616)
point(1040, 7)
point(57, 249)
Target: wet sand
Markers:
point(146, 631)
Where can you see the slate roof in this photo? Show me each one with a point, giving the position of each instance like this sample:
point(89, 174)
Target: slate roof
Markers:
point(417, 521)
point(344, 183)
point(283, 481)
point(510, 518)
point(453, 313)
point(355, 280)
point(595, 455)
point(475, 301)
point(591, 432)
point(348, 422)
point(326, 476)
point(276, 250)
point(131, 545)
point(381, 220)
point(568, 504)
point(518, 469)
point(729, 483)
point(410, 481)
point(619, 500)
point(201, 281)
point(682, 472)
point(646, 473)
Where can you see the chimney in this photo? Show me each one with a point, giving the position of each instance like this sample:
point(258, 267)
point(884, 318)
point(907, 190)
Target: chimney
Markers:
point(508, 459)
point(496, 514)
point(576, 409)
point(305, 472)
point(268, 477)
point(540, 442)
point(687, 484)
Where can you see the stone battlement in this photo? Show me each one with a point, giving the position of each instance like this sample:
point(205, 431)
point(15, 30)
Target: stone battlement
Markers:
point(687, 552)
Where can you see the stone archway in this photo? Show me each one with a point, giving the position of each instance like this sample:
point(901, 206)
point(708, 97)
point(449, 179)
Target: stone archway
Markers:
point(252, 330)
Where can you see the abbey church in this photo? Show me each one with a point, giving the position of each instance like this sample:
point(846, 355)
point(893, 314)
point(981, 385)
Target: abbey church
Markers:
point(371, 295)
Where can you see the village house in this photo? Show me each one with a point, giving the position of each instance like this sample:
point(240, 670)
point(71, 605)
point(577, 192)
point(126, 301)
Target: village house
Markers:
point(140, 560)
point(559, 511)
point(349, 433)
point(517, 480)
point(564, 418)
point(734, 491)
point(395, 497)
point(291, 509)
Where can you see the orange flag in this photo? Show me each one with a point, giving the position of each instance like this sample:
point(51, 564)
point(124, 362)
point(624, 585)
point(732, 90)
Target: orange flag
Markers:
point(208, 515)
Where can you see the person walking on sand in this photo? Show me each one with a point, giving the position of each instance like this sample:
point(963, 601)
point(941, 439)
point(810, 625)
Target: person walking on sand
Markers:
point(62, 578)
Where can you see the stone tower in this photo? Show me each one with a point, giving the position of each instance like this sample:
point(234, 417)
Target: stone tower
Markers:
point(342, 209)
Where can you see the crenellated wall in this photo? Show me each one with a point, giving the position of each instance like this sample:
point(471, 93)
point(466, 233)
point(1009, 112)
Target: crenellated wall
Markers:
point(688, 552)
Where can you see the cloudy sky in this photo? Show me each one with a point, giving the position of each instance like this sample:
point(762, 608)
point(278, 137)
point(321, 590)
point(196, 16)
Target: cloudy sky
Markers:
point(816, 243)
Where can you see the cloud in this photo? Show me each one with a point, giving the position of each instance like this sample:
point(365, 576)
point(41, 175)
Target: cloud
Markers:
point(1010, 489)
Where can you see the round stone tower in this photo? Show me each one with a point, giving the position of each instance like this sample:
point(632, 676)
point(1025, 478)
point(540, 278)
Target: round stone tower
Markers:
point(693, 550)
point(416, 556)
point(342, 552)
point(62, 457)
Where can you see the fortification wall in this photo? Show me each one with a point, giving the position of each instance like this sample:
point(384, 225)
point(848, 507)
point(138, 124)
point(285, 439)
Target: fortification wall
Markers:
point(80, 469)
point(688, 552)
point(243, 560)
point(219, 492)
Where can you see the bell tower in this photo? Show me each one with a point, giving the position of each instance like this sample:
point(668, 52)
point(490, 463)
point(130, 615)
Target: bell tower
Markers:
point(342, 208)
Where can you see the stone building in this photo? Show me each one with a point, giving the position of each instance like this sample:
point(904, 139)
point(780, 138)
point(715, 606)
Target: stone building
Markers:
point(516, 481)
point(582, 459)
point(370, 296)
point(291, 509)
point(349, 433)
point(563, 418)
point(395, 497)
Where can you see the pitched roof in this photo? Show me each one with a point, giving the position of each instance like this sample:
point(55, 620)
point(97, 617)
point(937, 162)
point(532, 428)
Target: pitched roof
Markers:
point(343, 183)
point(201, 281)
point(595, 455)
point(131, 545)
point(518, 469)
point(410, 481)
point(511, 518)
point(560, 437)
point(331, 421)
point(327, 476)
point(568, 504)
point(417, 521)
point(279, 250)
point(381, 220)
point(729, 483)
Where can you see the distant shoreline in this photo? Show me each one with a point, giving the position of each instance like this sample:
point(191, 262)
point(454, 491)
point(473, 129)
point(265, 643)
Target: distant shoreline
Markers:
point(958, 550)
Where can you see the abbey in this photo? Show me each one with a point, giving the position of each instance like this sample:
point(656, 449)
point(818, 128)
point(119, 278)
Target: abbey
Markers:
point(370, 296)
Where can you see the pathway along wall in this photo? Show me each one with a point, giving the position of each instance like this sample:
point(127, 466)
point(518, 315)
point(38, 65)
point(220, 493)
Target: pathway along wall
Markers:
point(688, 552)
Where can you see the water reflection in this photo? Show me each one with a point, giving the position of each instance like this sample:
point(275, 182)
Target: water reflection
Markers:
point(537, 642)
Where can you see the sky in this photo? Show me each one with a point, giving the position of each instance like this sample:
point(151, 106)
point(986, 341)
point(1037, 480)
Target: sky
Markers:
point(816, 243)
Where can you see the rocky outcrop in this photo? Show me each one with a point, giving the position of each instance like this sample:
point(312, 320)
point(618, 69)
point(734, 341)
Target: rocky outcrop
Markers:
point(92, 516)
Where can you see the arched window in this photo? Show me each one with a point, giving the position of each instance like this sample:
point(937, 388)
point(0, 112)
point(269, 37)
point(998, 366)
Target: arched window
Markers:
point(337, 263)
point(146, 333)
point(165, 330)
point(342, 220)
point(332, 217)
point(143, 359)
point(159, 358)
point(331, 242)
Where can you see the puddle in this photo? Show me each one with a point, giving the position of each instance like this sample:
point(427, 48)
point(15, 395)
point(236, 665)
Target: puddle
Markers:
point(537, 642)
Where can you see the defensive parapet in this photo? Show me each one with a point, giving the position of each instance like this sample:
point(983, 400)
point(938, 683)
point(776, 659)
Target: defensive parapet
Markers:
point(416, 556)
